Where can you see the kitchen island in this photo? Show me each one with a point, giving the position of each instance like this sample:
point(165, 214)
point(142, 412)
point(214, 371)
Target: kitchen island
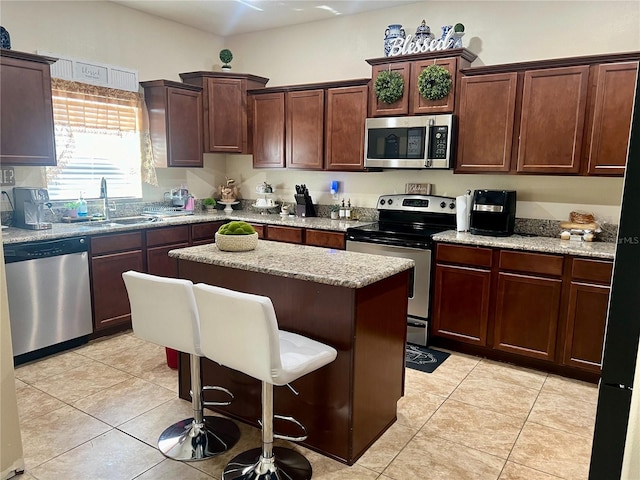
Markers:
point(357, 303)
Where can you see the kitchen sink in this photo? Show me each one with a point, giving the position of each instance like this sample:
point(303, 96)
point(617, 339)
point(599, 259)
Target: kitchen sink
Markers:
point(139, 220)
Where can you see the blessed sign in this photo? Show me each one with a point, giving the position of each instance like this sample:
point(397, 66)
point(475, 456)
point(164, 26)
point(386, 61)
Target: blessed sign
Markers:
point(405, 46)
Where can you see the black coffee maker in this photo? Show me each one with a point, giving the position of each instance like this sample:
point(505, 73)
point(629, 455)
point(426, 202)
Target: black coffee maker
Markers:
point(493, 212)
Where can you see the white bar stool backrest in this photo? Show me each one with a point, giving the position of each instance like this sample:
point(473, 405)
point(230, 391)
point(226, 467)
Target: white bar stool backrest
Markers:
point(240, 331)
point(164, 311)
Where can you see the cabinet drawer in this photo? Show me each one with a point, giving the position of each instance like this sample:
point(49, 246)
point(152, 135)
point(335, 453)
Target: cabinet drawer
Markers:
point(480, 257)
point(322, 238)
point(531, 262)
point(284, 234)
point(259, 228)
point(205, 231)
point(116, 243)
point(592, 270)
point(166, 236)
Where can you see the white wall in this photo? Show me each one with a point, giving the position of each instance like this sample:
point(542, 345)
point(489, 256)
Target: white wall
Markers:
point(335, 49)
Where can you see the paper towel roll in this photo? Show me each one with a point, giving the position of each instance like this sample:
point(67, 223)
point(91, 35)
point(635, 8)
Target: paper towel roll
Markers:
point(462, 213)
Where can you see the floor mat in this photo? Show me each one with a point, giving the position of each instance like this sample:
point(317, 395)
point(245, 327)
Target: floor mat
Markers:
point(423, 358)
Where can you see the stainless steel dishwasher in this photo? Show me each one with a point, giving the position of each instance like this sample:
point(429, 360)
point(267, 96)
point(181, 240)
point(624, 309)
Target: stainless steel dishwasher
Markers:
point(49, 299)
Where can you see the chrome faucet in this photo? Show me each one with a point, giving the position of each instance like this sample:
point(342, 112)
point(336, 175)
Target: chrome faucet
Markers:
point(105, 198)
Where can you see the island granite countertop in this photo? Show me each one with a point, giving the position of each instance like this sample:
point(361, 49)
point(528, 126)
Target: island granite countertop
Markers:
point(66, 230)
point(315, 264)
point(604, 250)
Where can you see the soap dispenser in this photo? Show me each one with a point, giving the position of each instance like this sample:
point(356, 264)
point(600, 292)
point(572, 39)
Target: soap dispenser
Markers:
point(82, 206)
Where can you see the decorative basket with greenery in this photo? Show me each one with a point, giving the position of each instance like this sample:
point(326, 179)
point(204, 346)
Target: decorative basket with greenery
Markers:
point(72, 209)
point(389, 86)
point(236, 237)
point(209, 203)
point(434, 82)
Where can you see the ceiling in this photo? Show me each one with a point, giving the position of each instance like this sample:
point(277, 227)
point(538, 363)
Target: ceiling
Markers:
point(232, 17)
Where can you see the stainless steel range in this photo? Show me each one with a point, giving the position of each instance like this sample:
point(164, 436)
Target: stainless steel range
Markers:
point(404, 229)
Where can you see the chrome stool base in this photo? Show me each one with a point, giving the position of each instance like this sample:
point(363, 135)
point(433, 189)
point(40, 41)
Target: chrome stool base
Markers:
point(286, 464)
point(190, 441)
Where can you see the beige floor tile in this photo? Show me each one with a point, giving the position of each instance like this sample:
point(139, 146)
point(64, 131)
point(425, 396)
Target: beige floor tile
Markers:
point(148, 426)
point(416, 407)
point(474, 427)
point(325, 468)
point(112, 456)
point(445, 378)
point(427, 456)
point(496, 395)
point(587, 392)
point(505, 372)
point(50, 366)
point(564, 413)
point(385, 449)
point(56, 433)
point(72, 385)
point(172, 470)
point(33, 403)
point(552, 451)
point(107, 347)
point(513, 471)
point(124, 401)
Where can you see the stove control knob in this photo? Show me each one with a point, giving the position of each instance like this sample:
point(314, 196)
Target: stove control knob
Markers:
point(452, 205)
point(382, 202)
point(390, 201)
point(443, 204)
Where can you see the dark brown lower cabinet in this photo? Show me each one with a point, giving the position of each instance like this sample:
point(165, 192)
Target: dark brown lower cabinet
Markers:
point(284, 234)
point(323, 238)
point(539, 310)
point(203, 233)
point(526, 315)
point(589, 292)
point(461, 307)
point(159, 242)
point(111, 256)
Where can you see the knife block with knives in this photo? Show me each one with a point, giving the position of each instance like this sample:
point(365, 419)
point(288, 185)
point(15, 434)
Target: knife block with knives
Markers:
point(304, 204)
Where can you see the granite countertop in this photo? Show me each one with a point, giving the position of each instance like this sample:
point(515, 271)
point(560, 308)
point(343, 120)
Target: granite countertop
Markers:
point(604, 250)
point(65, 230)
point(314, 264)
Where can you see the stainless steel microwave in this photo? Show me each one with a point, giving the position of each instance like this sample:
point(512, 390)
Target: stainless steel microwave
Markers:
point(423, 141)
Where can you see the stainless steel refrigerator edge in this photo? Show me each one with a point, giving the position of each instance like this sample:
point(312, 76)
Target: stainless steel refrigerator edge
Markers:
point(615, 453)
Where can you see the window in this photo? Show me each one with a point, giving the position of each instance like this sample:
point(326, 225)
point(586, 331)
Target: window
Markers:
point(98, 134)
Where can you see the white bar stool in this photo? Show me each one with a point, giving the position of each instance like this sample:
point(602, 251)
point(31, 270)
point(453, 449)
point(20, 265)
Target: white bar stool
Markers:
point(163, 311)
point(240, 331)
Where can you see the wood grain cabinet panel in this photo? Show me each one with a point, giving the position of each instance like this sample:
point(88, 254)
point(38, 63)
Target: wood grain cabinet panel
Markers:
point(323, 238)
point(26, 117)
point(268, 130)
point(305, 129)
point(526, 316)
point(175, 123)
point(464, 255)
point(159, 242)
point(554, 102)
point(203, 233)
point(111, 256)
point(461, 308)
point(588, 306)
point(400, 107)
point(284, 234)
point(419, 105)
point(485, 123)
point(608, 138)
point(346, 112)
point(586, 322)
point(227, 117)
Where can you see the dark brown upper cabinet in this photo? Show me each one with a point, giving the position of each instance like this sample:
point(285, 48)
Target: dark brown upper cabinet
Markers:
point(609, 122)
point(27, 134)
point(175, 123)
point(564, 116)
point(225, 109)
point(485, 123)
point(311, 127)
point(410, 67)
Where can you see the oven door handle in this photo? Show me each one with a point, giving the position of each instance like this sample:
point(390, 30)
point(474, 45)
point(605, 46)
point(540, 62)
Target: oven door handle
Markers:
point(390, 242)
